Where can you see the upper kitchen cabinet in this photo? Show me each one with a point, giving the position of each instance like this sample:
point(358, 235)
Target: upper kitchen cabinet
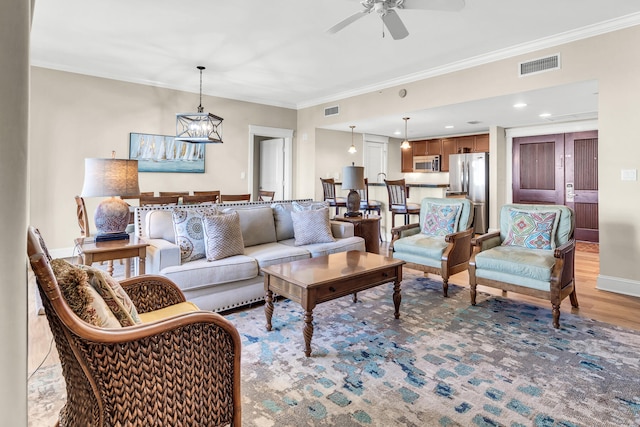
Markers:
point(481, 144)
point(419, 148)
point(407, 160)
point(448, 147)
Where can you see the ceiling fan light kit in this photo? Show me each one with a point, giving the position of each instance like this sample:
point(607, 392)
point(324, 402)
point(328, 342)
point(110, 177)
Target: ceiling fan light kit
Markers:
point(390, 18)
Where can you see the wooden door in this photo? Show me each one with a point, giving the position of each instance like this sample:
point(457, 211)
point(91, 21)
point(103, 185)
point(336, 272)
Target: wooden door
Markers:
point(581, 186)
point(560, 169)
point(538, 171)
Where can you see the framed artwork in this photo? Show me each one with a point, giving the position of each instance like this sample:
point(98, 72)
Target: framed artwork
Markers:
point(162, 153)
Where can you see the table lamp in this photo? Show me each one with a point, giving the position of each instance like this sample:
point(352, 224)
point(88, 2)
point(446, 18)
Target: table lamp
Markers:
point(353, 179)
point(111, 178)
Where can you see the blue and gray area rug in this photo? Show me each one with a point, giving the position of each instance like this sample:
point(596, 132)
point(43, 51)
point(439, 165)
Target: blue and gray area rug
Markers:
point(443, 363)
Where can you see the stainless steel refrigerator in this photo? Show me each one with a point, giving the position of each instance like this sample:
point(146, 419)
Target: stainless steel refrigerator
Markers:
point(469, 177)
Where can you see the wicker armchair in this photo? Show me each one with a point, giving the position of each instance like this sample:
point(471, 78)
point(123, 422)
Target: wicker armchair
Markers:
point(182, 370)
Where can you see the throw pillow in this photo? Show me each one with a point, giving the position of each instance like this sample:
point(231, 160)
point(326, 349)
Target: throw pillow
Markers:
point(532, 229)
point(81, 297)
point(440, 220)
point(223, 236)
point(312, 226)
point(283, 222)
point(113, 295)
point(309, 206)
point(187, 224)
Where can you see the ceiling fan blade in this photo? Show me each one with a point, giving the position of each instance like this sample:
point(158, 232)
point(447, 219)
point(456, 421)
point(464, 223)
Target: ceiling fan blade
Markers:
point(394, 24)
point(340, 25)
point(452, 5)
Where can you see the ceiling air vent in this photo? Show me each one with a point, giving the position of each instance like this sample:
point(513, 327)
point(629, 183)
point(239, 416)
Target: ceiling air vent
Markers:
point(539, 65)
point(332, 111)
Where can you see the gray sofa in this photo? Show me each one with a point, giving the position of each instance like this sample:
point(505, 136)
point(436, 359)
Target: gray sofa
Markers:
point(268, 235)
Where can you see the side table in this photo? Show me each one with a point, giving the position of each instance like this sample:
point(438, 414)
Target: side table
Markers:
point(367, 227)
point(92, 251)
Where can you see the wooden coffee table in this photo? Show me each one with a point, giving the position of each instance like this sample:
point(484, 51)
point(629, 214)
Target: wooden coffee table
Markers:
point(315, 280)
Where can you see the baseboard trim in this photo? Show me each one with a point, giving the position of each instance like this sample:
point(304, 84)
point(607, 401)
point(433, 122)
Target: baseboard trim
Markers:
point(618, 285)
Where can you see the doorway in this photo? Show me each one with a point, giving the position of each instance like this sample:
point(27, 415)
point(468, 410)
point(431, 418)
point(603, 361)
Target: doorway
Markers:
point(279, 161)
point(560, 169)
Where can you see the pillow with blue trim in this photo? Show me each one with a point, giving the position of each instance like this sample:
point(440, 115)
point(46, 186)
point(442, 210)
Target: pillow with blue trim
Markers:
point(440, 219)
point(532, 229)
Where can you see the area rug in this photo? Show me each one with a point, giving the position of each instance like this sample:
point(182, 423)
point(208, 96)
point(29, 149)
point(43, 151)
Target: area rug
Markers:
point(443, 363)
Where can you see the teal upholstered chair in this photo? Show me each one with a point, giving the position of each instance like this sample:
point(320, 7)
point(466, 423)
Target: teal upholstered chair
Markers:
point(532, 254)
point(441, 242)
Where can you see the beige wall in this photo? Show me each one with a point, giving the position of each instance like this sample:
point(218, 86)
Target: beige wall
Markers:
point(14, 112)
point(612, 59)
point(77, 116)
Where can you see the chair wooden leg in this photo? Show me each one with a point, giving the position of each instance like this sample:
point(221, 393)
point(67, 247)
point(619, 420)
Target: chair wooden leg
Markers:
point(556, 315)
point(445, 287)
point(574, 298)
point(472, 287)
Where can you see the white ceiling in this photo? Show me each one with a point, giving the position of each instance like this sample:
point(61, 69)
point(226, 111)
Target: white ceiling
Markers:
point(277, 52)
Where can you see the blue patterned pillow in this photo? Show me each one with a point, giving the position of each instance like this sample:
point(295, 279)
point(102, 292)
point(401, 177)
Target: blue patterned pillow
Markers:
point(440, 220)
point(187, 224)
point(532, 229)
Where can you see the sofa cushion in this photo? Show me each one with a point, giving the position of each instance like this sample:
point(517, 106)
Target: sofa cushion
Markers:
point(420, 245)
point(187, 224)
point(81, 297)
point(283, 221)
point(440, 219)
point(339, 245)
point(202, 273)
point(275, 253)
point(113, 295)
point(169, 311)
point(312, 226)
point(532, 229)
point(257, 224)
point(223, 237)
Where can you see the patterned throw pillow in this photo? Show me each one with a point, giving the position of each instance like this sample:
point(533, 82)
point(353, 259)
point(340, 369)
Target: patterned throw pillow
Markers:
point(532, 229)
point(187, 224)
point(223, 236)
point(81, 297)
point(312, 226)
point(440, 220)
point(309, 206)
point(113, 295)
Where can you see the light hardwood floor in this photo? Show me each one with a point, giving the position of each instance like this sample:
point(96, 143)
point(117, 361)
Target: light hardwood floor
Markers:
point(594, 304)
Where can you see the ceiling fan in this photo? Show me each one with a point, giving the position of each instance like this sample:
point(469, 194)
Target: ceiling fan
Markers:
point(391, 20)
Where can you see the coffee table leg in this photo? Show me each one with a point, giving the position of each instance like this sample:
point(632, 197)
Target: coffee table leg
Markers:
point(308, 332)
point(355, 297)
point(268, 308)
point(396, 298)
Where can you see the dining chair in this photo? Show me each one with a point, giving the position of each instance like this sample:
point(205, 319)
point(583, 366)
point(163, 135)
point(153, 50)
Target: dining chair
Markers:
point(235, 198)
point(173, 193)
point(199, 198)
point(266, 196)
point(398, 205)
point(329, 194)
point(158, 200)
point(215, 193)
point(366, 204)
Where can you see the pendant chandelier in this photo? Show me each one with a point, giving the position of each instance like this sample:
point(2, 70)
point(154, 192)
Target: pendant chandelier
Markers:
point(199, 127)
point(405, 144)
point(352, 149)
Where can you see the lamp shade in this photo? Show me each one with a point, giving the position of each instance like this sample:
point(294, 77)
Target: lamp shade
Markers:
point(110, 177)
point(353, 177)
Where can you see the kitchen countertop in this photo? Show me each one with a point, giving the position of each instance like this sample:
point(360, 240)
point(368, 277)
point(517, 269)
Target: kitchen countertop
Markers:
point(413, 184)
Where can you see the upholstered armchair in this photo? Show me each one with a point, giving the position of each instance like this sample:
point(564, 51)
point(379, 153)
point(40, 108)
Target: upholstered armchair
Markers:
point(532, 254)
point(440, 243)
point(176, 366)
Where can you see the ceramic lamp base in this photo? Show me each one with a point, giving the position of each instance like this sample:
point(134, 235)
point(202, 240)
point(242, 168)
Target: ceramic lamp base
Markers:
point(353, 204)
point(112, 216)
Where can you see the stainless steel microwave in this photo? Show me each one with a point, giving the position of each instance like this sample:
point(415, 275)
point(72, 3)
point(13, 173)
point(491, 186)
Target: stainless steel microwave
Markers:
point(426, 163)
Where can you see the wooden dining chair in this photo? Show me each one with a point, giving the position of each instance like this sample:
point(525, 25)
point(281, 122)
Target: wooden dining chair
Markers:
point(173, 193)
point(266, 196)
point(329, 194)
point(235, 198)
point(398, 205)
point(205, 198)
point(215, 193)
point(158, 200)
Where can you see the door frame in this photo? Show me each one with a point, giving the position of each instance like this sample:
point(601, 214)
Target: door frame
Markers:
point(287, 135)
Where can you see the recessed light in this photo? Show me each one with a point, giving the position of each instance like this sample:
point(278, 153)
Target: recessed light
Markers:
point(397, 132)
point(519, 105)
point(545, 115)
point(448, 127)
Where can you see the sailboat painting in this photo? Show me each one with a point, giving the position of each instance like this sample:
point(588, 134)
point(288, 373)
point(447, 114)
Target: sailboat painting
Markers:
point(162, 153)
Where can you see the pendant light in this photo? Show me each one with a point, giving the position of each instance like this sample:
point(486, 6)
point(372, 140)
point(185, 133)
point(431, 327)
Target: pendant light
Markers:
point(199, 127)
point(352, 149)
point(405, 144)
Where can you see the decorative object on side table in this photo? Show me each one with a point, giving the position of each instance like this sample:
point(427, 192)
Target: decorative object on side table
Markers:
point(354, 181)
point(111, 178)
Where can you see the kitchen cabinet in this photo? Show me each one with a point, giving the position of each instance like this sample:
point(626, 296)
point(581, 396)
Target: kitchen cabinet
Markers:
point(434, 146)
point(481, 144)
point(448, 147)
point(444, 147)
point(407, 160)
point(465, 144)
point(419, 148)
